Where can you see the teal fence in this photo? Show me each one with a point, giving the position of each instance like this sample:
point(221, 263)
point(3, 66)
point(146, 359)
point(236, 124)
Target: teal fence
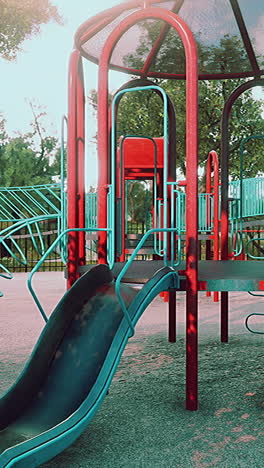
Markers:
point(252, 204)
point(91, 210)
point(30, 219)
point(49, 201)
point(252, 196)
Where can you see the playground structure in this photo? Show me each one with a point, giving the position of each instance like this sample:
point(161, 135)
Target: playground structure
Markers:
point(226, 275)
point(23, 208)
point(172, 267)
point(36, 214)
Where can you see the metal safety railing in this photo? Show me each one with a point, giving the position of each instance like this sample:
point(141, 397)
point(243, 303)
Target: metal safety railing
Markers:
point(44, 257)
point(252, 196)
point(91, 209)
point(26, 214)
point(167, 262)
point(247, 250)
point(254, 314)
point(27, 202)
point(9, 234)
point(253, 203)
point(165, 155)
point(25, 210)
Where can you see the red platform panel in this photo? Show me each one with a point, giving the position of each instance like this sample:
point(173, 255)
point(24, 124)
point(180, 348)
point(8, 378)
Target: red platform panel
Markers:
point(140, 153)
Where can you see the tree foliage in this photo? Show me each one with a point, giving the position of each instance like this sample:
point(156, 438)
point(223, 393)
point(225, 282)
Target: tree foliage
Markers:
point(228, 56)
point(139, 202)
point(20, 20)
point(141, 112)
point(28, 159)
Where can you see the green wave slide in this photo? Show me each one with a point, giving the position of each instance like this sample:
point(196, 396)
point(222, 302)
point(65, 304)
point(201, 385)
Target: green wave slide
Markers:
point(71, 367)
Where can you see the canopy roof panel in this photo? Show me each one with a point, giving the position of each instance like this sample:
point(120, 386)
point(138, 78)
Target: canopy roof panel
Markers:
point(229, 35)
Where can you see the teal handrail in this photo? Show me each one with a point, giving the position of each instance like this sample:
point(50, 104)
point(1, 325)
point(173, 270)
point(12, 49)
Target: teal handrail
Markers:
point(9, 231)
point(63, 219)
point(176, 219)
point(254, 314)
point(236, 227)
point(158, 240)
point(247, 249)
point(40, 250)
point(256, 332)
point(111, 226)
point(29, 201)
point(8, 274)
point(47, 253)
point(241, 151)
point(241, 187)
point(113, 153)
point(128, 264)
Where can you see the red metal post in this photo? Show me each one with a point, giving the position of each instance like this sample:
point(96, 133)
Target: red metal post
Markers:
point(103, 150)
point(80, 162)
point(121, 199)
point(172, 316)
point(212, 160)
point(191, 223)
point(208, 211)
point(191, 170)
point(72, 184)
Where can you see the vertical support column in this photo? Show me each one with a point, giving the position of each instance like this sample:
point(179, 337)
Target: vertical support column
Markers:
point(224, 215)
point(191, 171)
point(80, 162)
point(72, 172)
point(191, 228)
point(213, 159)
point(208, 212)
point(224, 317)
point(191, 220)
point(120, 203)
point(224, 190)
point(103, 151)
point(172, 316)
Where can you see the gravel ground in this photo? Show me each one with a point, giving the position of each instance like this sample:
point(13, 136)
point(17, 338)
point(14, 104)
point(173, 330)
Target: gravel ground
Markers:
point(142, 422)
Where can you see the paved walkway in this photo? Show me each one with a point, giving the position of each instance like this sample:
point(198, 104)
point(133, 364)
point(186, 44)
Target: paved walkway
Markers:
point(142, 422)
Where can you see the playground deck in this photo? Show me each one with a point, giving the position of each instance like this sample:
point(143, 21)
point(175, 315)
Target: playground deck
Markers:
point(213, 276)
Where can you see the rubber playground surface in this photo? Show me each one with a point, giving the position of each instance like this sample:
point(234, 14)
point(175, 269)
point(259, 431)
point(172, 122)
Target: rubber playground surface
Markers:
point(142, 422)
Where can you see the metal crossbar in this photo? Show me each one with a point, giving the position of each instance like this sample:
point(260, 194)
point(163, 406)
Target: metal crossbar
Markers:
point(27, 202)
point(23, 209)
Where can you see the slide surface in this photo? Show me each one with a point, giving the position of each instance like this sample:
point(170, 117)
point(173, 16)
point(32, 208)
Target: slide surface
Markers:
point(71, 367)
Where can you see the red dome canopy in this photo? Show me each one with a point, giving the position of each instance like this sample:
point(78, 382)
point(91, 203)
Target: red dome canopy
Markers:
point(229, 35)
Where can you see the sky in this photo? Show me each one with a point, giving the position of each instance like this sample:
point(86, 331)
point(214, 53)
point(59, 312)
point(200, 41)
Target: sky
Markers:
point(40, 73)
point(40, 70)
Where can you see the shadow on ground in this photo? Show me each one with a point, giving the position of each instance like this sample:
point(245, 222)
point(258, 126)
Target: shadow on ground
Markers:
point(142, 422)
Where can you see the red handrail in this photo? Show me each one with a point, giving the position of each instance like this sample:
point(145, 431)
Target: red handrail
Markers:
point(212, 160)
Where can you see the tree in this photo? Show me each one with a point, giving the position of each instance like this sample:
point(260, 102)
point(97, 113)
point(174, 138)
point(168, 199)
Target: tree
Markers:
point(228, 56)
point(140, 113)
point(21, 165)
point(139, 202)
point(20, 20)
point(29, 159)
